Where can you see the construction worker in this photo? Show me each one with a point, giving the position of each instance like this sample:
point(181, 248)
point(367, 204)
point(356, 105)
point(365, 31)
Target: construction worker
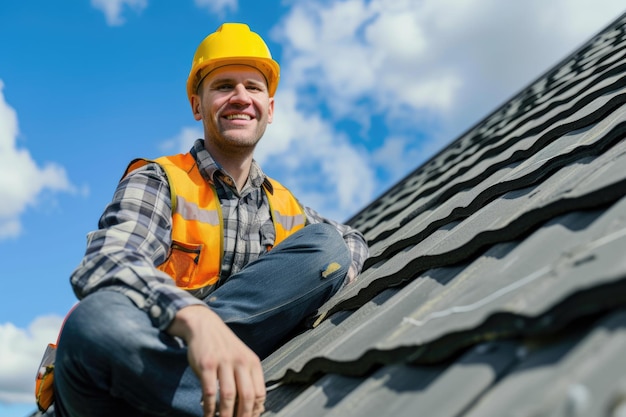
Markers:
point(201, 265)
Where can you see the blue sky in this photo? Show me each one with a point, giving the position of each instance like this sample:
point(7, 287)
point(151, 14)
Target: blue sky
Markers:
point(369, 90)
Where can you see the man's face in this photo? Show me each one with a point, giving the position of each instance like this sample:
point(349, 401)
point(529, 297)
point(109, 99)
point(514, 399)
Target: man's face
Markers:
point(234, 106)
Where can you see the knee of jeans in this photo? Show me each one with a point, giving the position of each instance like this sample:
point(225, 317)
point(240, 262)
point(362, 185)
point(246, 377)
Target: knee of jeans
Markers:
point(336, 255)
point(331, 241)
point(100, 320)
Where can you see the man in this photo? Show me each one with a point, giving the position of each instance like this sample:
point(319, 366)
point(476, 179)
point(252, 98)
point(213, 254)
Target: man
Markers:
point(201, 265)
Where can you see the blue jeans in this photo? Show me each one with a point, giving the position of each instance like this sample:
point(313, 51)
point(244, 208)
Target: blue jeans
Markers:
point(111, 360)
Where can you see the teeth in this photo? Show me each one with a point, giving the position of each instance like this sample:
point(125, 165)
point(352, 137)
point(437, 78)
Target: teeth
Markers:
point(238, 116)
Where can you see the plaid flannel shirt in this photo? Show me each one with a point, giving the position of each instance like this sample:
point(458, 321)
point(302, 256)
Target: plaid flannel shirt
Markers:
point(134, 235)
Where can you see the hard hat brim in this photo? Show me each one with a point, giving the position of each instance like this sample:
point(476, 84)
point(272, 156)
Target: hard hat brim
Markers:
point(268, 67)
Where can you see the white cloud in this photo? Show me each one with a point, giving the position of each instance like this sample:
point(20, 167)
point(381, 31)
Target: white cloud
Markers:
point(182, 142)
point(307, 153)
point(218, 7)
point(20, 355)
point(402, 152)
point(428, 69)
point(21, 179)
point(455, 58)
point(113, 9)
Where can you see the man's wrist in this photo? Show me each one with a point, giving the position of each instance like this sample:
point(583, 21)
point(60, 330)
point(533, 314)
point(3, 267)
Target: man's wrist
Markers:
point(186, 319)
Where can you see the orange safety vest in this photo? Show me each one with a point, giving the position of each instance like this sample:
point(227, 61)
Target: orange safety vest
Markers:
point(195, 257)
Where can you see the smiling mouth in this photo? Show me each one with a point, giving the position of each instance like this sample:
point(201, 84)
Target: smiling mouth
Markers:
point(238, 117)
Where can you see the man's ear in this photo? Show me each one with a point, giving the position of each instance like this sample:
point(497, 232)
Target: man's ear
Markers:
point(195, 107)
point(270, 110)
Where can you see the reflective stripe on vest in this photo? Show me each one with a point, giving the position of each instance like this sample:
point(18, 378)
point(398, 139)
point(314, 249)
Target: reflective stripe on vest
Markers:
point(190, 211)
point(195, 257)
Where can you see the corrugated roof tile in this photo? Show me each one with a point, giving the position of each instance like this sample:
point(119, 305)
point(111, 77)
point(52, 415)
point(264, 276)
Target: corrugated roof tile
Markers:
point(497, 280)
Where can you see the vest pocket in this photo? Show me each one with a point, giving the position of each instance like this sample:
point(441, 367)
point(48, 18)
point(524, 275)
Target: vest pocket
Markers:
point(182, 263)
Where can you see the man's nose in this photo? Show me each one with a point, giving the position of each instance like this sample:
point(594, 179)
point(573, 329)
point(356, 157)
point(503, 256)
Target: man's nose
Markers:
point(240, 95)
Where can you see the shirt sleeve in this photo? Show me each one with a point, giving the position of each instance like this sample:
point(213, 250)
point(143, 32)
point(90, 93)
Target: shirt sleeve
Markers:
point(134, 235)
point(354, 240)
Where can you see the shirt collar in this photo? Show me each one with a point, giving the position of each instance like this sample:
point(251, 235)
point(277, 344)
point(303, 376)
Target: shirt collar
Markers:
point(209, 167)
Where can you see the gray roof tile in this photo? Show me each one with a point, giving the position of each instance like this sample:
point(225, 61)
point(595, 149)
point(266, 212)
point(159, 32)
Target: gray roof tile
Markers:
point(497, 278)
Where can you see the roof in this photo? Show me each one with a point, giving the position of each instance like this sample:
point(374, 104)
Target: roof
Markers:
point(497, 279)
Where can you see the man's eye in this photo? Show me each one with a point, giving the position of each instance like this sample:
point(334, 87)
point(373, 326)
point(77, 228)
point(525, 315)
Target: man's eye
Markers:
point(224, 87)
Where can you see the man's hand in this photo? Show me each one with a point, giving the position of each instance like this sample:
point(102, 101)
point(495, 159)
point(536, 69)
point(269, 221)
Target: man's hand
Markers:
point(215, 354)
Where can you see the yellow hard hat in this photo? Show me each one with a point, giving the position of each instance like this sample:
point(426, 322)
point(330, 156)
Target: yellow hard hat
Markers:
point(232, 43)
